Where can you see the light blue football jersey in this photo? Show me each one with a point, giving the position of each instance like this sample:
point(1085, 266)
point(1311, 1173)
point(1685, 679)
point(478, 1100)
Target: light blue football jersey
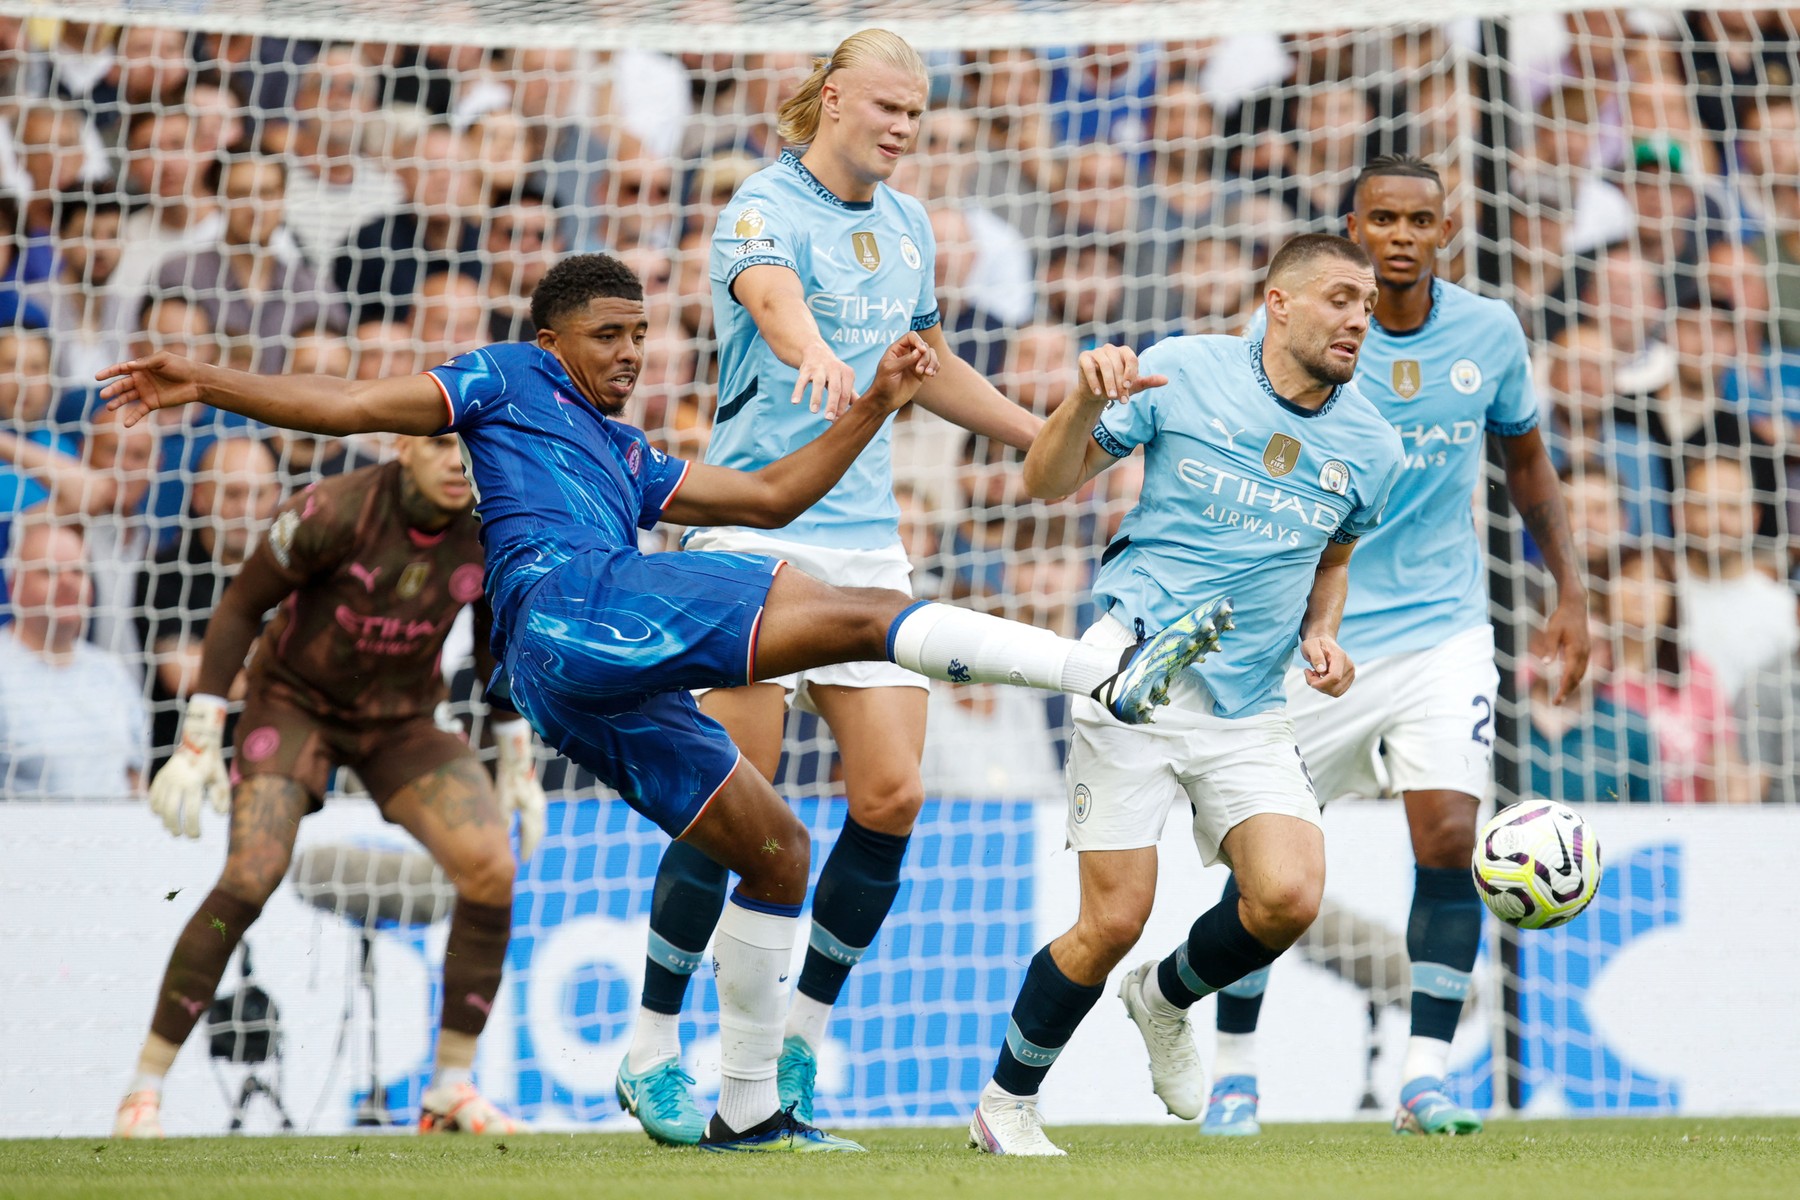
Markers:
point(1242, 492)
point(868, 271)
point(1463, 374)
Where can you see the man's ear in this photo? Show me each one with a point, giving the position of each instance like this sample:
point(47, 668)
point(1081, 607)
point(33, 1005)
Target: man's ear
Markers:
point(546, 340)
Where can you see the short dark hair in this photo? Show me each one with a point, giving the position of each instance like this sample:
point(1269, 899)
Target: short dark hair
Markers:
point(237, 155)
point(1300, 252)
point(1403, 166)
point(576, 280)
point(79, 206)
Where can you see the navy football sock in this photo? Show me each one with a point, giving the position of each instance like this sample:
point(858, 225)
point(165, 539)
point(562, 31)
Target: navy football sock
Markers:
point(1240, 1003)
point(856, 888)
point(690, 895)
point(1044, 1018)
point(1219, 952)
point(1442, 939)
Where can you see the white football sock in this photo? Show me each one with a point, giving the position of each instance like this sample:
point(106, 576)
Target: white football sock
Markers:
point(655, 1038)
point(751, 954)
point(954, 644)
point(807, 1019)
point(449, 1077)
point(1425, 1056)
point(143, 1081)
point(1153, 994)
point(1236, 1055)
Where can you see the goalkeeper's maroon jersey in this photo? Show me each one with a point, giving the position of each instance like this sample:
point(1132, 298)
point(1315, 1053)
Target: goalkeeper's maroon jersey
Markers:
point(374, 597)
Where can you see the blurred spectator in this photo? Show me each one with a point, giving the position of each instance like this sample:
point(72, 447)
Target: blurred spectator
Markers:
point(41, 156)
point(975, 335)
point(1591, 747)
point(499, 145)
point(1723, 593)
point(383, 348)
point(1084, 288)
point(1040, 367)
point(633, 201)
point(71, 719)
point(380, 270)
point(1180, 194)
point(943, 170)
point(1675, 221)
point(1770, 148)
point(234, 495)
point(121, 461)
point(1768, 712)
point(692, 284)
point(1629, 297)
point(1217, 284)
point(334, 186)
point(178, 217)
point(82, 311)
point(257, 289)
point(1104, 93)
point(1003, 90)
point(1655, 669)
point(519, 247)
point(1584, 419)
point(1598, 521)
point(262, 72)
point(1558, 172)
point(450, 315)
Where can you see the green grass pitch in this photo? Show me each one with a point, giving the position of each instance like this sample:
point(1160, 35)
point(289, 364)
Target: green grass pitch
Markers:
point(1571, 1160)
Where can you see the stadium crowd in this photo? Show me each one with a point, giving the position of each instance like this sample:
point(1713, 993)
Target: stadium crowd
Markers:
point(367, 208)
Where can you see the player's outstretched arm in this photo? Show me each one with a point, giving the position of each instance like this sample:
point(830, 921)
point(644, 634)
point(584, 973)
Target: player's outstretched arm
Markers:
point(776, 301)
point(195, 774)
point(310, 403)
point(1537, 494)
point(1065, 455)
point(778, 493)
point(962, 396)
point(1329, 669)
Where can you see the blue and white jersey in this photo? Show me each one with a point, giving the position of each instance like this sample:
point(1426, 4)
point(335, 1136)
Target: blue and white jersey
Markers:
point(1445, 385)
point(1242, 492)
point(554, 477)
point(868, 271)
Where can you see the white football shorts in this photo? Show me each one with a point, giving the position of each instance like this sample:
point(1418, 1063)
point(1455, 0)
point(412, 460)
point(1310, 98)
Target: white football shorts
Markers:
point(1123, 779)
point(1421, 721)
point(887, 567)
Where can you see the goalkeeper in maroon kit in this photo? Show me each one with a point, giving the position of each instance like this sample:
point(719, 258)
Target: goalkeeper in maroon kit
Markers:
point(367, 570)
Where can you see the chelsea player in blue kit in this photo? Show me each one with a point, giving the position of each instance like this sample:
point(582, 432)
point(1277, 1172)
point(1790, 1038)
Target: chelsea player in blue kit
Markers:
point(817, 266)
point(1447, 368)
point(1263, 467)
point(599, 644)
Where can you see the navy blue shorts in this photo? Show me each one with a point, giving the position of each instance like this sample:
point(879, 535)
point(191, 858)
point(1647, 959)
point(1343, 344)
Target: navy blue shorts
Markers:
point(605, 652)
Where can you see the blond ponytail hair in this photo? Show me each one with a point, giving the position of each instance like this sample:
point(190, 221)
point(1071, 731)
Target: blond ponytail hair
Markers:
point(867, 47)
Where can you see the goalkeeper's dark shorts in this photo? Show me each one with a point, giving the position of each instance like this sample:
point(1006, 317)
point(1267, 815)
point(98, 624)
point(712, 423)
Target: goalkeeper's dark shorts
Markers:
point(276, 736)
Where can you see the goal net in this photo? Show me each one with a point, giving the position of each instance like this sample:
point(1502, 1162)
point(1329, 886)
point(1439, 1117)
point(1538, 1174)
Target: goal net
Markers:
point(362, 189)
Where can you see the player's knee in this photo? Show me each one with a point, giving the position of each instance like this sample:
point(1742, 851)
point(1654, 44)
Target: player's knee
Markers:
point(1112, 932)
point(251, 882)
point(1281, 910)
point(1448, 839)
point(890, 805)
point(487, 878)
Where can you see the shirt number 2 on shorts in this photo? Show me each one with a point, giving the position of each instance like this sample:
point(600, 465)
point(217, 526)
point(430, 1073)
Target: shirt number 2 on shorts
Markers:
point(1479, 733)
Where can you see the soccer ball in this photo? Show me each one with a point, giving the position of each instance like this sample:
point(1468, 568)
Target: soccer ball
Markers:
point(1537, 864)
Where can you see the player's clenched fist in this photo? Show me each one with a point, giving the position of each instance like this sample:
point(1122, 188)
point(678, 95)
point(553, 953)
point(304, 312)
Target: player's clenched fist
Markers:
point(196, 774)
point(1328, 668)
point(1109, 374)
point(516, 778)
point(909, 362)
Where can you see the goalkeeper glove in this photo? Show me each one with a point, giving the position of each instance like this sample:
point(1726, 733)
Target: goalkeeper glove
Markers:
point(196, 772)
point(517, 778)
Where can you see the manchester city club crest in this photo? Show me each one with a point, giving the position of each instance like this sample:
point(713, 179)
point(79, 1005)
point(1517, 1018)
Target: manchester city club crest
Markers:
point(1465, 376)
point(1281, 455)
point(1334, 477)
point(1406, 378)
point(909, 252)
point(1084, 802)
point(412, 580)
point(868, 254)
point(749, 223)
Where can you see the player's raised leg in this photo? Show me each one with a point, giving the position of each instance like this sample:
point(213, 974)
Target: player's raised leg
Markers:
point(685, 907)
point(451, 809)
point(1279, 863)
point(1062, 983)
point(807, 623)
point(265, 815)
point(1443, 936)
point(880, 733)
